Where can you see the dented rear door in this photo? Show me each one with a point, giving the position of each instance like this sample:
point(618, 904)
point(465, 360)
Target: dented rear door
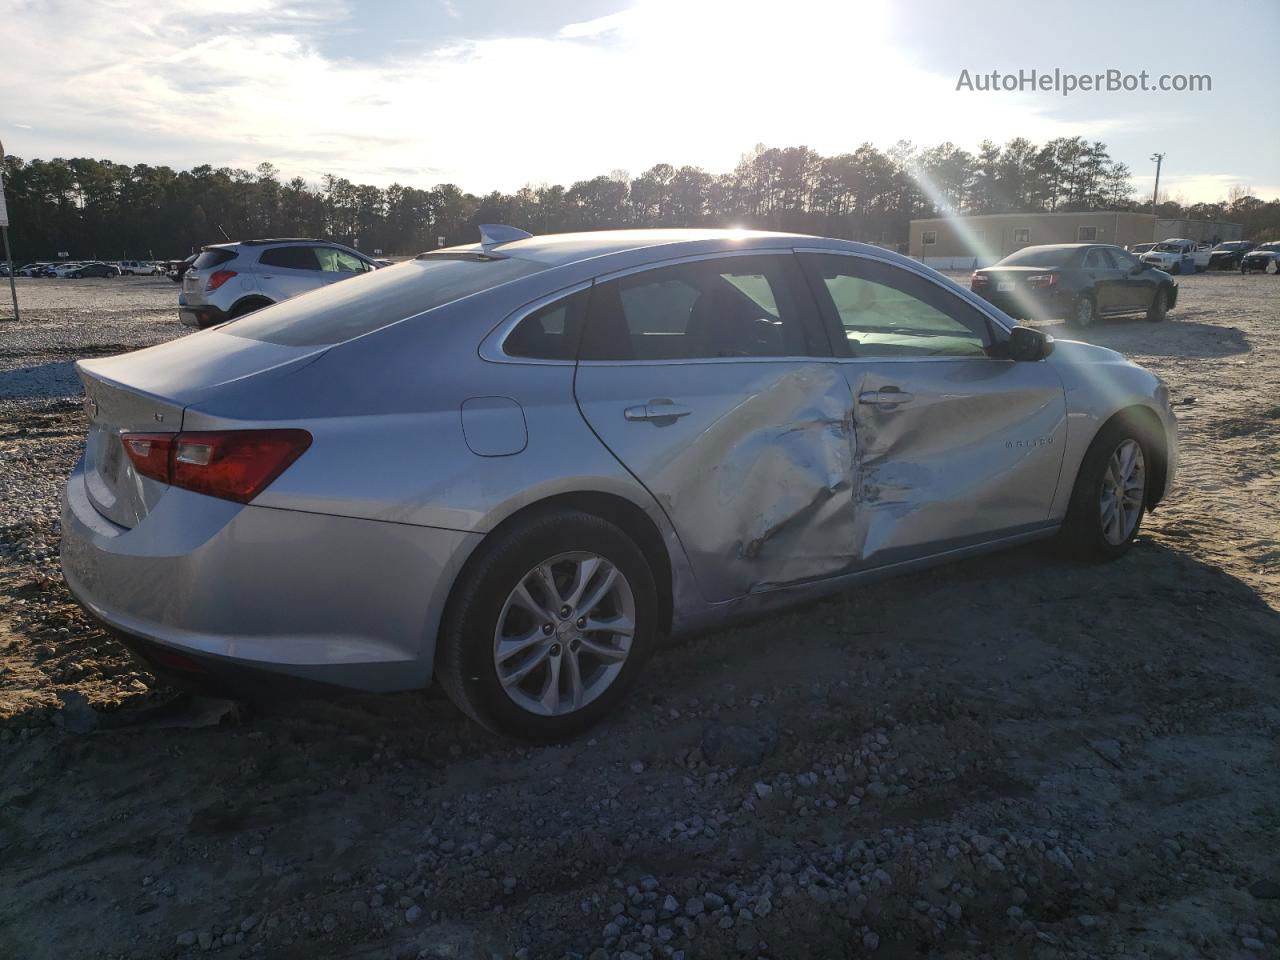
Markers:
point(707, 381)
point(953, 447)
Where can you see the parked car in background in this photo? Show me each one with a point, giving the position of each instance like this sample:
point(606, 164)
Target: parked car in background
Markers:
point(1076, 281)
point(36, 269)
point(138, 268)
point(229, 280)
point(1265, 257)
point(1227, 255)
point(1171, 256)
point(95, 268)
point(663, 422)
point(61, 270)
point(179, 269)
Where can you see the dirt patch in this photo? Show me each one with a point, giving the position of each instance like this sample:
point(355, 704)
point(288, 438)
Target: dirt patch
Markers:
point(1010, 757)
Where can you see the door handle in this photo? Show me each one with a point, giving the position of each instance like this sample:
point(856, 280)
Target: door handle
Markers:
point(888, 397)
point(657, 410)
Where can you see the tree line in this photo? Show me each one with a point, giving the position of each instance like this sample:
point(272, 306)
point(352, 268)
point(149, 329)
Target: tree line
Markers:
point(101, 209)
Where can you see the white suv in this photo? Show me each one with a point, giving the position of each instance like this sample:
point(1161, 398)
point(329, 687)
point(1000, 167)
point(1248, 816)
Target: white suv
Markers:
point(137, 268)
point(228, 280)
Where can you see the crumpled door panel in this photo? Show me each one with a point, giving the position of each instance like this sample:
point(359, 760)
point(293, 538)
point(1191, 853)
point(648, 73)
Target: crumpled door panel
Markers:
point(975, 454)
point(756, 478)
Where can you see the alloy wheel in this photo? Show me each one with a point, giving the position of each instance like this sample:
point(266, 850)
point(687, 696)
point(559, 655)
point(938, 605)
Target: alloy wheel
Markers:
point(1084, 312)
point(1123, 488)
point(564, 633)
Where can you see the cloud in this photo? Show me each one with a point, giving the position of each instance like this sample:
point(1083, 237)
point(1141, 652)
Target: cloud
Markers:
point(664, 80)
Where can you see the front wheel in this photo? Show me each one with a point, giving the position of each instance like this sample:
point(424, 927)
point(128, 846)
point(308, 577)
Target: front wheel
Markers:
point(1110, 495)
point(549, 627)
point(1159, 306)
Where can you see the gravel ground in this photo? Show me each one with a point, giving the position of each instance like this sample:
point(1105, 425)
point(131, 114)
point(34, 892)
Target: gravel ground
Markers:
point(1010, 757)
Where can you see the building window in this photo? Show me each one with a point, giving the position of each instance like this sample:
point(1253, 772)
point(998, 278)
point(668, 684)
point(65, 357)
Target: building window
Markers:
point(1086, 234)
point(1022, 235)
point(929, 238)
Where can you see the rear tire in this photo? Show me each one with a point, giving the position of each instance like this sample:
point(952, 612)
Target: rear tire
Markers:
point(512, 658)
point(246, 307)
point(1084, 312)
point(1110, 496)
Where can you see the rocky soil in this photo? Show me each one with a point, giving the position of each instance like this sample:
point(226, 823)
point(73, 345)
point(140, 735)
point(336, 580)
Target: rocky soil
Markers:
point(1010, 757)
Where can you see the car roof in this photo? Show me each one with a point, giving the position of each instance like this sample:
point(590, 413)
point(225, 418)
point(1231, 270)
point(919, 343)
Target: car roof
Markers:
point(559, 249)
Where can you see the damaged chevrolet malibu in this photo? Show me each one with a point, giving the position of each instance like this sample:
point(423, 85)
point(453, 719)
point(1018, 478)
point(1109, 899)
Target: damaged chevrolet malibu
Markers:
point(513, 466)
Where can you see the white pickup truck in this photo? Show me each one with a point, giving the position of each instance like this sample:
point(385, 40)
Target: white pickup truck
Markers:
point(1169, 255)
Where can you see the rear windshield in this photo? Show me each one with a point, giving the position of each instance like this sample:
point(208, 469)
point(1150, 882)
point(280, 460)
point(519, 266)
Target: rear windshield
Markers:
point(213, 258)
point(1031, 257)
point(373, 300)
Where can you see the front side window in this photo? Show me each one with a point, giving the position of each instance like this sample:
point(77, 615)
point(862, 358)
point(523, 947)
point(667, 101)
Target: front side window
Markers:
point(290, 258)
point(1125, 260)
point(885, 311)
point(338, 261)
point(721, 307)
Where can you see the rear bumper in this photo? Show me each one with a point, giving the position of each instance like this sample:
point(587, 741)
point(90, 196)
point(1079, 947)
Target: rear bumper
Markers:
point(244, 589)
point(1033, 304)
point(202, 316)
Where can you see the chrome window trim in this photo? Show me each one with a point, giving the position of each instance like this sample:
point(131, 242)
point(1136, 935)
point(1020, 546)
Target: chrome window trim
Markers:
point(977, 303)
point(694, 258)
point(491, 347)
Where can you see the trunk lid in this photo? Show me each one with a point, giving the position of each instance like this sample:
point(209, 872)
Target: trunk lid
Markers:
point(147, 391)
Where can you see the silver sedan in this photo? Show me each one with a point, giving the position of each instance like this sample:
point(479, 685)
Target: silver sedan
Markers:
point(513, 466)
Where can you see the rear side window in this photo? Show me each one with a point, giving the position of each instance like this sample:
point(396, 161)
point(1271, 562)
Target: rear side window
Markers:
point(340, 311)
point(721, 307)
point(291, 258)
point(208, 259)
point(549, 333)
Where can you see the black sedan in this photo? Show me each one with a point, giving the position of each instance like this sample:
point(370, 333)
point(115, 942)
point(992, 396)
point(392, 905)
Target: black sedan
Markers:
point(1265, 258)
point(1228, 254)
point(96, 269)
point(1079, 282)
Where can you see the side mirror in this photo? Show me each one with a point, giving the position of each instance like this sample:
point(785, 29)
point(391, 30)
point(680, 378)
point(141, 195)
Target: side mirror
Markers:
point(1028, 344)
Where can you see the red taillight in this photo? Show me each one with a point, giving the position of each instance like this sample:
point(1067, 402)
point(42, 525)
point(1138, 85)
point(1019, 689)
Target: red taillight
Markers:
point(231, 464)
point(217, 279)
point(149, 453)
point(977, 280)
point(1042, 280)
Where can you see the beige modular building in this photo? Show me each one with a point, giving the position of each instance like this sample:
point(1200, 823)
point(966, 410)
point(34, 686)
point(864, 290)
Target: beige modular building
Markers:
point(966, 242)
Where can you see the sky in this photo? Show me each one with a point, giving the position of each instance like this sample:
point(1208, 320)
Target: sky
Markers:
point(496, 94)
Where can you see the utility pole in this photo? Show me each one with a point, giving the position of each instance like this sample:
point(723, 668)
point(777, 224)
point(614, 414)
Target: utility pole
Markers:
point(1155, 194)
point(4, 229)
